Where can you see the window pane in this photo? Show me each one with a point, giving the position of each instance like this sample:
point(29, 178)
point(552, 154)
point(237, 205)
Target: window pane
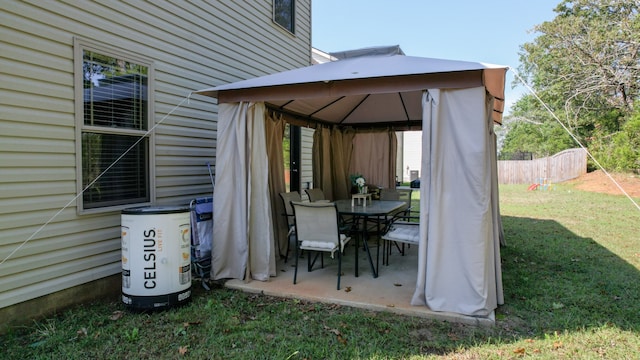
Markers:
point(283, 13)
point(126, 182)
point(115, 99)
point(115, 92)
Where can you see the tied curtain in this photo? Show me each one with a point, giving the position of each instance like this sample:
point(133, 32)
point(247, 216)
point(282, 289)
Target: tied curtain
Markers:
point(459, 256)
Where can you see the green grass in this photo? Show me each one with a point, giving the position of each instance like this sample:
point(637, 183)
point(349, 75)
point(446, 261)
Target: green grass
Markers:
point(570, 274)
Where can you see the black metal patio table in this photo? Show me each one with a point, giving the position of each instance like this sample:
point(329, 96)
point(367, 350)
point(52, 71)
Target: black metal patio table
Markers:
point(375, 208)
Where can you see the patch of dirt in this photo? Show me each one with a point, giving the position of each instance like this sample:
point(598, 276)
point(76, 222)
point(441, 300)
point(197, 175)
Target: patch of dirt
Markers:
point(598, 181)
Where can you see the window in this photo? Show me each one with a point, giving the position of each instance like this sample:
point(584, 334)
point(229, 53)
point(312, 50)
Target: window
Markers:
point(113, 116)
point(284, 14)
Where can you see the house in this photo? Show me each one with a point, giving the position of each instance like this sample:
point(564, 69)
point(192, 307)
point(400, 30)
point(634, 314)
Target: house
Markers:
point(84, 83)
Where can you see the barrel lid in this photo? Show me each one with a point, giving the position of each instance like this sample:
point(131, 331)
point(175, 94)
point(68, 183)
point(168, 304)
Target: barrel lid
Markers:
point(146, 210)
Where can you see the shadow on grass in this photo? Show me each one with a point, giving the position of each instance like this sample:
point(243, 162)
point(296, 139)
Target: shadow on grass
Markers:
point(556, 280)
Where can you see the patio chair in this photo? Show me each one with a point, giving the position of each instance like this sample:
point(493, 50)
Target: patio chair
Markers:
point(398, 194)
point(399, 231)
point(315, 195)
point(317, 231)
point(287, 198)
point(401, 221)
point(393, 195)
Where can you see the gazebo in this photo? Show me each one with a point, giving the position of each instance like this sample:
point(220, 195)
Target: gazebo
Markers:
point(454, 103)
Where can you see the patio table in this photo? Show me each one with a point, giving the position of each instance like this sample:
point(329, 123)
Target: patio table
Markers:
point(375, 208)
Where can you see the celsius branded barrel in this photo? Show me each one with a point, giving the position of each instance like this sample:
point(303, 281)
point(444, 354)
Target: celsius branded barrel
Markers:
point(156, 257)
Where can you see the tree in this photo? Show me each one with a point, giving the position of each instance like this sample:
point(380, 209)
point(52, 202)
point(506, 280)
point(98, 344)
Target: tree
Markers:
point(585, 65)
point(587, 58)
point(620, 151)
point(530, 129)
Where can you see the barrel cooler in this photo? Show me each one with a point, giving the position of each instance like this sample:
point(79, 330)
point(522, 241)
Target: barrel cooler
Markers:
point(156, 257)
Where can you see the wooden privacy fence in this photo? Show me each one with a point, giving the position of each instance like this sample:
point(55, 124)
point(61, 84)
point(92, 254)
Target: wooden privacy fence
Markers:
point(565, 165)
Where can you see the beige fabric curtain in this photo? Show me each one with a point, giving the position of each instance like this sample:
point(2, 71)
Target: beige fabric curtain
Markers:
point(321, 159)
point(342, 146)
point(262, 263)
point(459, 256)
point(275, 126)
point(243, 240)
point(229, 258)
point(337, 153)
point(374, 156)
point(495, 193)
point(495, 203)
point(332, 151)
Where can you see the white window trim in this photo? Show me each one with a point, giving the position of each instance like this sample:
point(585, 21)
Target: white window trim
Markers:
point(78, 46)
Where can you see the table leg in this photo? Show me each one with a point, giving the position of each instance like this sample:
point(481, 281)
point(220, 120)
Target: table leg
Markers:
point(366, 246)
point(378, 244)
point(357, 236)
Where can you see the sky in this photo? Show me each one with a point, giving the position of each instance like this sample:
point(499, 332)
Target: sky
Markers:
point(489, 31)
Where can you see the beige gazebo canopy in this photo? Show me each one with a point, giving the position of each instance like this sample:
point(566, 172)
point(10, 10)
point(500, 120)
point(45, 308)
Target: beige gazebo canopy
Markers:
point(365, 91)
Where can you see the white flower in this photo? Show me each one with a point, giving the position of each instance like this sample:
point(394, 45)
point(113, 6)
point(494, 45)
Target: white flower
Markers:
point(360, 181)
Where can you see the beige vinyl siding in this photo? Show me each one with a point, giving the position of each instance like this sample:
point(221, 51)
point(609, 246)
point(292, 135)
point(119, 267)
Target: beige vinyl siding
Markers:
point(193, 45)
point(306, 157)
point(412, 153)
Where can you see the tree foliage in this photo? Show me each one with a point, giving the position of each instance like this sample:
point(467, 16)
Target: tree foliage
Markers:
point(585, 65)
point(620, 151)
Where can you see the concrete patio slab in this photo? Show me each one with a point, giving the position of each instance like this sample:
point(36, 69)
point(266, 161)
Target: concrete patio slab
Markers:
point(391, 291)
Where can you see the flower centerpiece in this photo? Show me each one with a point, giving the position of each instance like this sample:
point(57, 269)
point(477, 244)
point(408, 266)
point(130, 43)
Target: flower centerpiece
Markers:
point(358, 184)
point(361, 182)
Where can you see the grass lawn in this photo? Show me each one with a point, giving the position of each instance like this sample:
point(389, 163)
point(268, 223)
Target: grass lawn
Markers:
point(571, 282)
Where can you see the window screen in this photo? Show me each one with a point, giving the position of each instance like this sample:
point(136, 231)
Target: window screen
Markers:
point(115, 93)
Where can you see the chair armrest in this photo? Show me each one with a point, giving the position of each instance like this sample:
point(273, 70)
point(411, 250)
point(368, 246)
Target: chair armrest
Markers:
point(406, 218)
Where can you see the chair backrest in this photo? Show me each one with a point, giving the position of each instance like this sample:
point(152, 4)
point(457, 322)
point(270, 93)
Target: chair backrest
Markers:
point(316, 221)
point(315, 194)
point(287, 198)
point(397, 194)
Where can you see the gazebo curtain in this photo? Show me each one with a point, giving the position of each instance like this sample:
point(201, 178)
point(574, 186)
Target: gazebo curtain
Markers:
point(275, 126)
point(337, 153)
point(332, 151)
point(243, 237)
point(459, 257)
point(374, 156)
